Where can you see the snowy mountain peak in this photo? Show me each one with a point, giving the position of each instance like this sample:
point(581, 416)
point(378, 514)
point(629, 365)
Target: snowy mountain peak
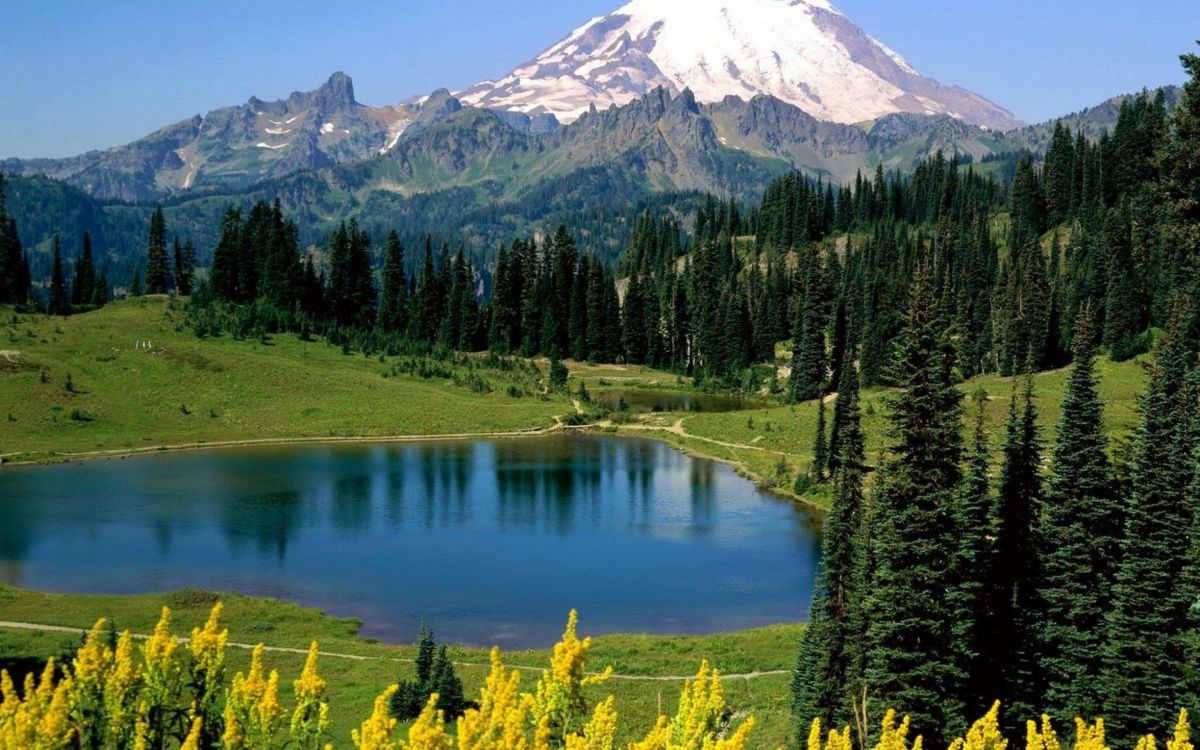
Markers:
point(805, 52)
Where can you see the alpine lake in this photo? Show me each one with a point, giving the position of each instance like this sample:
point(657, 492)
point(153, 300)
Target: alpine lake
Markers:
point(489, 541)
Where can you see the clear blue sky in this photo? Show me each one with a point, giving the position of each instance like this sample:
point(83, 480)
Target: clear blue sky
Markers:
point(81, 74)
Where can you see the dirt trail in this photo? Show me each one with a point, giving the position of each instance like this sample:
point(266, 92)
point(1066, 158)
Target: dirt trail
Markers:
point(677, 429)
point(37, 627)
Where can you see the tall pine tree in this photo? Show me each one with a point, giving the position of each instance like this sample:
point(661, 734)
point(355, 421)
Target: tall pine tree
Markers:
point(913, 661)
point(828, 673)
point(393, 302)
point(1080, 542)
point(158, 272)
point(1146, 669)
point(59, 303)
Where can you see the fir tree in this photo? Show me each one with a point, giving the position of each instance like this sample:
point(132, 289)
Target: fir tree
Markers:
point(83, 286)
point(1179, 159)
point(157, 271)
point(912, 660)
point(426, 318)
point(1080, 542)
point(828, 673)
point(393, 302)
point(1146, 675)
point(975, 568)
point(135, 284)
point(634, 321)
point(100, 292)
point(452, 700)
point(810, 365)
point(227, 257)
point(185, 270)
point(820, 445)
point(59, 303)
point(1012, 654)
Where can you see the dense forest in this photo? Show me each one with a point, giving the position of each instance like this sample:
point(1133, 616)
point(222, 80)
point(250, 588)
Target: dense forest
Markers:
point(1072, 592)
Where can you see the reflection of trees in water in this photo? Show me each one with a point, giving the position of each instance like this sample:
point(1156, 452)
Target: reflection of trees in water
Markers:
point(545, 483)
point(19, 526)
point(445, 478)
point(262, 522)
point(704, 496)
point(351, 511)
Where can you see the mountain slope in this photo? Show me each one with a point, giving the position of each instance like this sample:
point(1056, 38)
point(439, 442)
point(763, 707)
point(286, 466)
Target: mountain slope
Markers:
point(233, 147)
point(804, 52)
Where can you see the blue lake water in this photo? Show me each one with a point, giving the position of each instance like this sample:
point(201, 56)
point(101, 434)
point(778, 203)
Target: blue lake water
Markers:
point(491, 541)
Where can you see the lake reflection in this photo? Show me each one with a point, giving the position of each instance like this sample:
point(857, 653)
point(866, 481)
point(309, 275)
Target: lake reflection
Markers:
point(491, 541)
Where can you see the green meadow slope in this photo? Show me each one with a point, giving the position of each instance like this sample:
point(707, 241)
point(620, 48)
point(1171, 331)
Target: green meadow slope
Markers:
point(141, 380)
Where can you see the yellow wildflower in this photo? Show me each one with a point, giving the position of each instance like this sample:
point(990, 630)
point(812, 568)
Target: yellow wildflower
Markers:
point(1183, 734)
point(428, 732)
point(814, 735)
point(895, 736)
point(1044, 739)
point(1089, 736)
point(984, 734)
point(376, 732)
point(192, 742)
point(599, 733)
point(311, 717)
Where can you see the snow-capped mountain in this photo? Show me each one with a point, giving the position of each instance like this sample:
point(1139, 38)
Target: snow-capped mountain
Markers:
point(805, 52)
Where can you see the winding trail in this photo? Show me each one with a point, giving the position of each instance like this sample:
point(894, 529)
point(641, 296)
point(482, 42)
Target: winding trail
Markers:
point(677, 429)
point(38, 627)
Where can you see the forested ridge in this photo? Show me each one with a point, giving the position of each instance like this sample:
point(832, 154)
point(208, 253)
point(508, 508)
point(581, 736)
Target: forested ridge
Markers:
point(825, 267)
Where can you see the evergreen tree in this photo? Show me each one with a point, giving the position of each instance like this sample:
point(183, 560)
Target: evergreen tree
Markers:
point(1080, 542)
point(227, 257)
point(1014, 593)
point(912, 660)
point(828, 675)
point(810, 364)
point(975, 569)
point(100, 292)
point(426, 318)
point(1179, 160)
point(185, 268)
point(83, 286)
point(157, 270)
point(59, 303)
point(135, 284)
point(820, 445)
point(393, 303)
point(351, 289)
point(1146, 675)
point(634, 322)
point(452, 700)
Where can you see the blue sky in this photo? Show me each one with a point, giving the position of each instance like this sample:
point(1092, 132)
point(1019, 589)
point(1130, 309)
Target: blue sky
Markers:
point(81, 74)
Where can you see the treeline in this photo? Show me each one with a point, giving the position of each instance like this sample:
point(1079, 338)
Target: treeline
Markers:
point(84, 284)
point(1073, 592)
point(546, 300)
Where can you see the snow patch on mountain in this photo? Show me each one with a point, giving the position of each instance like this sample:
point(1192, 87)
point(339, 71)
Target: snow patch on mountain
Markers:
point(805, 52)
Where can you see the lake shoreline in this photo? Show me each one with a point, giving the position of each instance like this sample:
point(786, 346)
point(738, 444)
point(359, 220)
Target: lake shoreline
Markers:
point(559, 427)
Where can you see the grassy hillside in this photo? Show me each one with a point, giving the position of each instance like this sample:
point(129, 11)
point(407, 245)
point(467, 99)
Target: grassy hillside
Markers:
point(773, 445)
point(142, 380)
